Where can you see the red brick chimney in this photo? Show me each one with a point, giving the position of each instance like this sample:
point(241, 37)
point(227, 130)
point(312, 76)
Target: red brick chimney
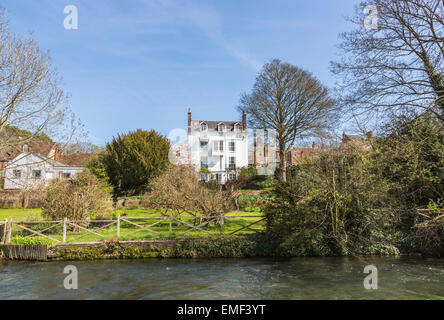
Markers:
point(189, 120)
point(57, 153)
point(244, 121)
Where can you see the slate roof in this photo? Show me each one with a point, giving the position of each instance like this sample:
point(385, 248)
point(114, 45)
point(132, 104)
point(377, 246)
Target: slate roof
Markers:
point(212, 125)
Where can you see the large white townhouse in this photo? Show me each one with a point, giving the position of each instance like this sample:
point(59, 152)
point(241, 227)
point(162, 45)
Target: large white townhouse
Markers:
point(218, 149)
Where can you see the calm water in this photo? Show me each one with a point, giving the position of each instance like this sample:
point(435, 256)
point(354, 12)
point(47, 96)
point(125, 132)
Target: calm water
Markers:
point(299, 278)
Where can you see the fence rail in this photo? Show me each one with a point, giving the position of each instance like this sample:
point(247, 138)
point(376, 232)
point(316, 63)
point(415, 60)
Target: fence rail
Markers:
point(62, 231)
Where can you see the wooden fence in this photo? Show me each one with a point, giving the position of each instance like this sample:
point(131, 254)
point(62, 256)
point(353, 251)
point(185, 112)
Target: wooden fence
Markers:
point(80, 229)
point(3, 230)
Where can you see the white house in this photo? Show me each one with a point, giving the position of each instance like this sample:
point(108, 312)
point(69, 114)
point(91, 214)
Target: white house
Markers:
point(29, 169)
point(218, 149)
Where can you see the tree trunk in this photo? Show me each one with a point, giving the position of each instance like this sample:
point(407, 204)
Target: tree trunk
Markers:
point(282, 163)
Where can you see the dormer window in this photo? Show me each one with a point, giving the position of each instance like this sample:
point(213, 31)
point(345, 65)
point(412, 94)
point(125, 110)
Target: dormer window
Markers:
point(238, 130)
point(221, 128)
point(203, 127)
point(25, 148)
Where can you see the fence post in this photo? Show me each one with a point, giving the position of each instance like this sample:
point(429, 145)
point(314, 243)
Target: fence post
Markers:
point(118, 226)
point(5, 229)
point(8, 238)
point(221, 224)
point(64, 230)
point(171, 227)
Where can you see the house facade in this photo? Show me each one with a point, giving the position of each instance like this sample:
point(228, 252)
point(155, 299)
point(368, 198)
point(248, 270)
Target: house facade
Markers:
point(30, 168)
point(217, 149)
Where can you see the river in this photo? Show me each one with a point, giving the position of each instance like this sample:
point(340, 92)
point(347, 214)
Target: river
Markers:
point(297, 278)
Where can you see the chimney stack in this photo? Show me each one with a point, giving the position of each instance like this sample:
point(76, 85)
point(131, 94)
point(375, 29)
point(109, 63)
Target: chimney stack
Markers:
point(189, 120)
point(57, 154)
point(244, 120)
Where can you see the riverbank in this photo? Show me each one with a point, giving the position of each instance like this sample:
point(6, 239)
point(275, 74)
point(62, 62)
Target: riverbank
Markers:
point(251, 246)
point(211, 247)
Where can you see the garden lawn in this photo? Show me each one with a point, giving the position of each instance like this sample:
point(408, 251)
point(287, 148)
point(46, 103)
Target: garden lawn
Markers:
point(19, 214)
point(127, 230)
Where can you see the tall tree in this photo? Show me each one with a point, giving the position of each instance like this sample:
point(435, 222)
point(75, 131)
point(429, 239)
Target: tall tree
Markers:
point(395, 64)
point(30, 95)
point(290, 101)
point(133, 159)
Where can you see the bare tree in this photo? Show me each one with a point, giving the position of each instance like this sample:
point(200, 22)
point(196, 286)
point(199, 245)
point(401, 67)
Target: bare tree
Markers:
point(178, 190)
point(30, 93)
point(397, 64)
point(290, 101)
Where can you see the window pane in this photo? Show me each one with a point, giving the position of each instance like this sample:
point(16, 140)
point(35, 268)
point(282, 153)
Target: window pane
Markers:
point(36, 174)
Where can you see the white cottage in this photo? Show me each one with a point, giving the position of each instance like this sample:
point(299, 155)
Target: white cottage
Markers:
point(30, 169)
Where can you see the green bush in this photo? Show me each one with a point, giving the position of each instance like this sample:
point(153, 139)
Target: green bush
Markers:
point(31, 241)
point(246, 175)
point(333, 204)
point(253, 202)
point(363, 197)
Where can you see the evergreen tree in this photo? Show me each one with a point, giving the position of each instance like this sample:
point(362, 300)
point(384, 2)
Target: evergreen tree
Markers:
point(133, 159)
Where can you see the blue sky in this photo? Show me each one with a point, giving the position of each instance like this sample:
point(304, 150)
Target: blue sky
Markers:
point(142, 63)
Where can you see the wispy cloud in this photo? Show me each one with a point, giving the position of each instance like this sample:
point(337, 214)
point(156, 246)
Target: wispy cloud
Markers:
point(210, 22)
point(166, 16)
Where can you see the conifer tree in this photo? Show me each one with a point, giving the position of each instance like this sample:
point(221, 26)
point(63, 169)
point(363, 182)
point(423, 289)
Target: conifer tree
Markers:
point(132, 160)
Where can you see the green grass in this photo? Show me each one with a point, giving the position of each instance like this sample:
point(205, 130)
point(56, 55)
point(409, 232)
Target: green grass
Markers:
point(127, 229)
point(19, 214)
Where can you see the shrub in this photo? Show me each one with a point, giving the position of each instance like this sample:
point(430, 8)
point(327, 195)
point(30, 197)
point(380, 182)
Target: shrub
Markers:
point(428, 234)
point(253, 202)
point(77, 198)
point(178, 191)
point(97, 167)
point(335, 203)
point(31, 241)
point(248, 178)
point(412, 156)
point(246, 175)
